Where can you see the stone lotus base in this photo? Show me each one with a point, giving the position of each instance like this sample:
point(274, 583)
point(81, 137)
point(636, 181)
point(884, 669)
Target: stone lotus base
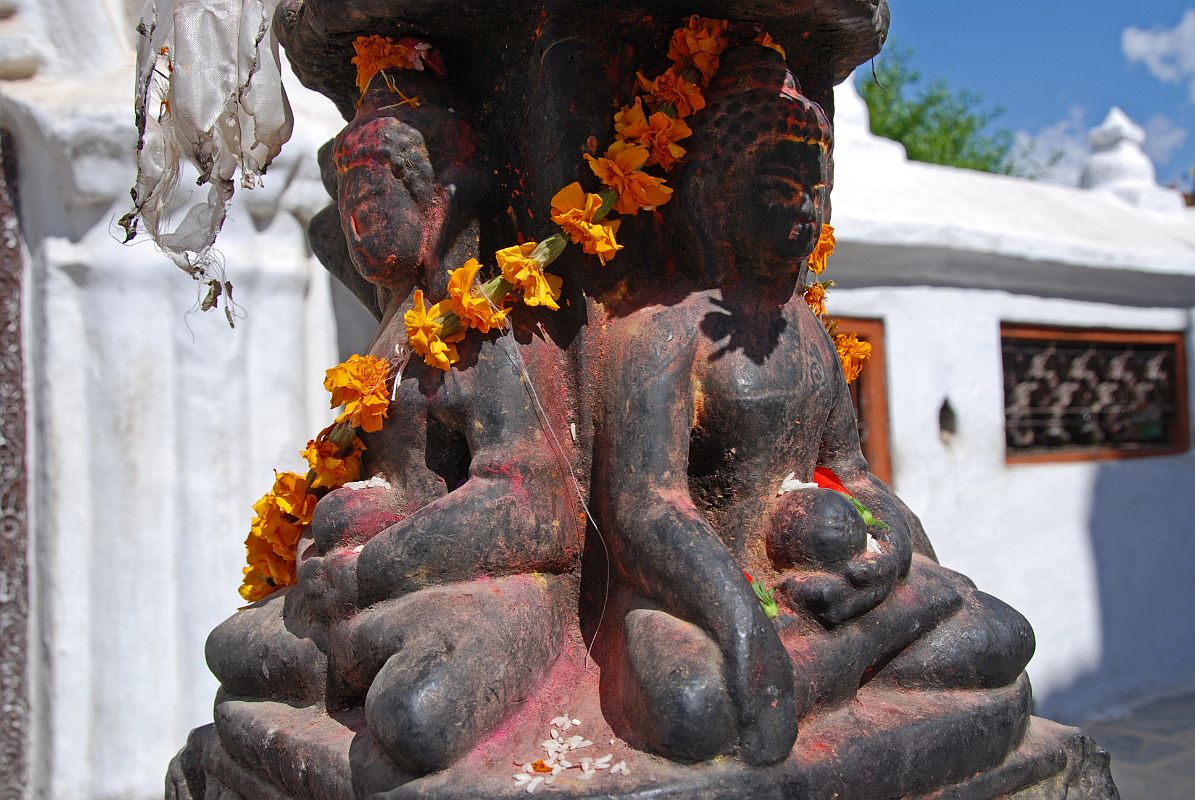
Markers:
point(885, 744)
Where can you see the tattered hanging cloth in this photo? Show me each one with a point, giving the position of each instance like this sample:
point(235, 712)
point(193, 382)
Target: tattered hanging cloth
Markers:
point(209, 89)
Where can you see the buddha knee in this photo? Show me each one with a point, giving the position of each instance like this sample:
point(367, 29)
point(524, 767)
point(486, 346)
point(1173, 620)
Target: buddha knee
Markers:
point(673, 691)
point(416, 717)
point(985, 645)
point(254, 653)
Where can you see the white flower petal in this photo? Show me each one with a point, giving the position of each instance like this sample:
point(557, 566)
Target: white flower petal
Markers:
point(791, 484)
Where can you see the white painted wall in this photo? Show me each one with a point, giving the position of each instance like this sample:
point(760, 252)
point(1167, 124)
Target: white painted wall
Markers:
point(154, 426)
point(1097, 554)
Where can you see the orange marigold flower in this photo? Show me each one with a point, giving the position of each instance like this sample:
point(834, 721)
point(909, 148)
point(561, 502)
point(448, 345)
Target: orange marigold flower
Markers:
point(279, 519)
point(659, 133)
point(256, 585)
point(359, 384)
point(824, 249)
point(672, 89)
point(263, 556)
point(424, 334)
point(376, 53)
point(573, 211)
point(473, 308)
point(293, 497)
point(765, 40)
point(519, 268)
point(699, 44)
point(852, 353)
point(620, 170)
point(333, 466)
point(815, 296)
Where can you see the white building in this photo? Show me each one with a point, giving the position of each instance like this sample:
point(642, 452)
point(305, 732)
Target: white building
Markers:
point(151, 429)
point(1095, 548)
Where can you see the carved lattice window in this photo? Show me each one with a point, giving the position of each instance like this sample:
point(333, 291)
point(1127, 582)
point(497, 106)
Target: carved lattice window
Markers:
point(1072, 394)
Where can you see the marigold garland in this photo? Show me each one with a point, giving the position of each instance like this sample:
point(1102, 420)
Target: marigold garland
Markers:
point(644, 137)
point(852, 352)
point(283, 515)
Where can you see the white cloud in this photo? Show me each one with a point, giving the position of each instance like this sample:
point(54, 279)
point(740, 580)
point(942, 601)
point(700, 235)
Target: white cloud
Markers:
point(1163, 138)
point(1055, 153)
point(1168, 53)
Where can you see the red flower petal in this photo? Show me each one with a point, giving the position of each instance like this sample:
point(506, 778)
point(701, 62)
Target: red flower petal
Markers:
point(826, 479)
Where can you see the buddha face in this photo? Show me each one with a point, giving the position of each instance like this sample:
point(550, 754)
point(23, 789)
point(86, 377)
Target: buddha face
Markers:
point(398, 171)
point(761, 152)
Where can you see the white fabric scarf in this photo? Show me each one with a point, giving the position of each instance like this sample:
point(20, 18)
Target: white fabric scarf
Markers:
point(209, 88)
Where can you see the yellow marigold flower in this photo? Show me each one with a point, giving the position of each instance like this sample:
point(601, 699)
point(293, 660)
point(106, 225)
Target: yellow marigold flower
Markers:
point(765, 40)
point(852, 353)
point(671, 88)
point(815, 296)
point(473, 308)
point(425, 334)
point(573, 211)
point(659, 133)
point(294, 497)
point(279, 519)
point(699, 44)
point(256, 585)
point(332, 465)
point(518, 267)
point(824, 249)
point(359, 384)
point(620, 170)
point(273, 528)
point(277, 569)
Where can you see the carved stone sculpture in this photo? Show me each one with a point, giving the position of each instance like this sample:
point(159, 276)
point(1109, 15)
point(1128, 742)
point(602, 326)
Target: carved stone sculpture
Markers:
point(566, 517)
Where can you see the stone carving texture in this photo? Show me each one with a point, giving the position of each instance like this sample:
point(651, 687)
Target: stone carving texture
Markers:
point(441, 619)
point(14, 541)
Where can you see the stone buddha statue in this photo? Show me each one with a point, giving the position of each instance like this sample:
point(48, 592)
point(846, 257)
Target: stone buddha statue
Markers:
point(556, 532)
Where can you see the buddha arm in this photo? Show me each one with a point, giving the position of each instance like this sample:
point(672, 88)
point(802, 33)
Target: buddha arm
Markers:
point(659, 542)
point(841, 452)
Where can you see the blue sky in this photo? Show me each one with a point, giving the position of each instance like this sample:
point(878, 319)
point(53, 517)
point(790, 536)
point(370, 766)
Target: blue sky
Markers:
point(1057, 66)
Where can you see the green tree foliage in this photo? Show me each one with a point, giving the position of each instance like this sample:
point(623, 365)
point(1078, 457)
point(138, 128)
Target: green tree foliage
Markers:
point(934, 123)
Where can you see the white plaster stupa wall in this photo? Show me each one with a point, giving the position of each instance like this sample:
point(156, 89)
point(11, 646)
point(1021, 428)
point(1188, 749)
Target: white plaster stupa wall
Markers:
point(154, 426)
point(1096, 554)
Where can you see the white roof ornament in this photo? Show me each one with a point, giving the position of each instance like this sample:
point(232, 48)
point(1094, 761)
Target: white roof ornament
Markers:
point(853, 138)
point(209, 90)
point(1118, 165)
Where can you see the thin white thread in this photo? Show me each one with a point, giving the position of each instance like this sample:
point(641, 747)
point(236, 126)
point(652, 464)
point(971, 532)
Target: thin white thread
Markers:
point(402, 352)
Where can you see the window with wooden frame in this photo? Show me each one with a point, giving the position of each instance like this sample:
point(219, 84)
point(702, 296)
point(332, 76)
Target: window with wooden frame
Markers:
point(870, 395)
point(1073, 394)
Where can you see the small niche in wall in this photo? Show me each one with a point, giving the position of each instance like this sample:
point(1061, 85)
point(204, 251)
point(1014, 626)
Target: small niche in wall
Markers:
point(947, 421)
point(1072, 394)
